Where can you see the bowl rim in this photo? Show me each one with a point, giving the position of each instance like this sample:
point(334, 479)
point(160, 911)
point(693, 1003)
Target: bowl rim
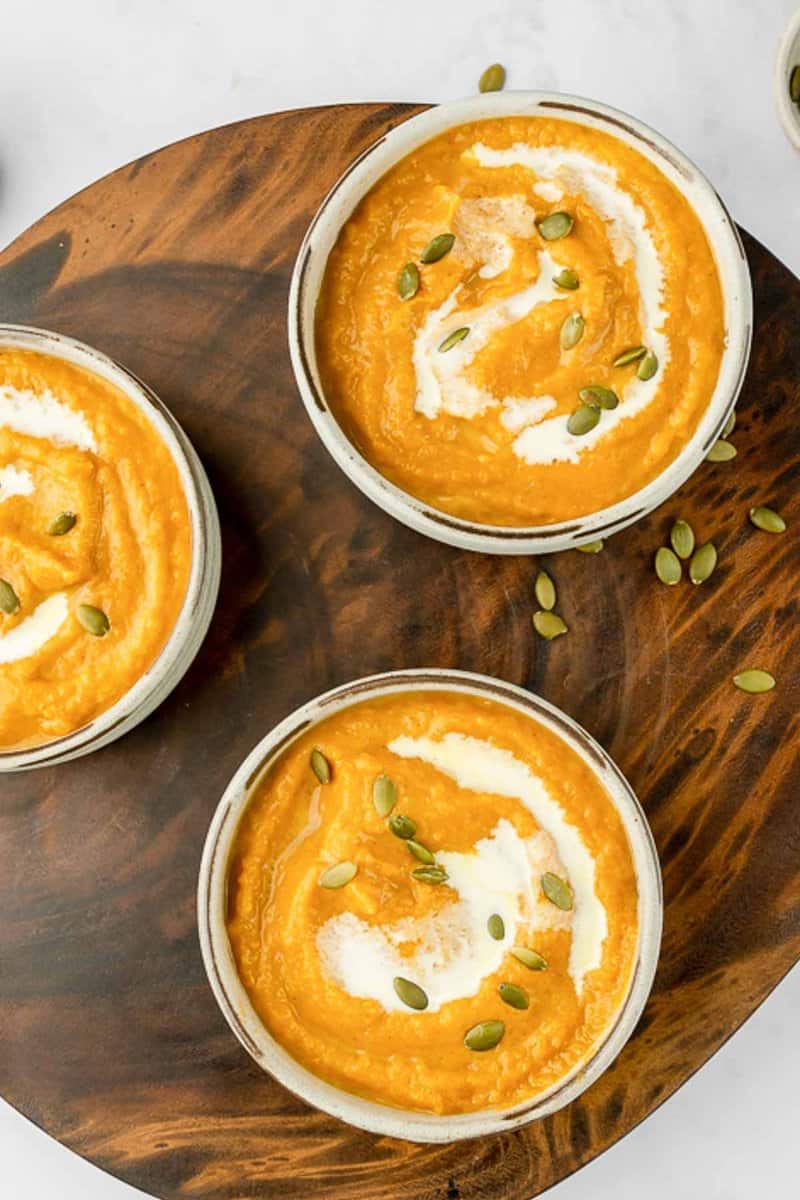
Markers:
point(229, 992)
point(357, 180)
point(786, 58)
point(202, 586)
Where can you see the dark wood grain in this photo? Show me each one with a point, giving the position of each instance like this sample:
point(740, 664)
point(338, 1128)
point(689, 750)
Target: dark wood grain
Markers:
point(109, 1037)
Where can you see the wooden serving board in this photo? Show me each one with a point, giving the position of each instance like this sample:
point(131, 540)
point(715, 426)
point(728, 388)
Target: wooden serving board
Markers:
point(179, 266)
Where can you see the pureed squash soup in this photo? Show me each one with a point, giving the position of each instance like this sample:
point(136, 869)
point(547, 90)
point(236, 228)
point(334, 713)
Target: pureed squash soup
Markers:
point(432, 903)
point(521, 323)
point(95, 546)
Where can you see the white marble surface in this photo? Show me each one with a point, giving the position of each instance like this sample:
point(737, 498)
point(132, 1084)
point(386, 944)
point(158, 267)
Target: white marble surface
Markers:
point(88, 85)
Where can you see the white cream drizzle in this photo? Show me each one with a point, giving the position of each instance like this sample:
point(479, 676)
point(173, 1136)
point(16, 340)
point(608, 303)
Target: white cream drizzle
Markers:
point(15, 482)
point(33, 632)
point(43, 415)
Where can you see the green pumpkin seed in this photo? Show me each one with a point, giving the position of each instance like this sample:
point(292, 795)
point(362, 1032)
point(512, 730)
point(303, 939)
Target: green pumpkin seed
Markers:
point(668, 566)
point(555, 225)
point(384, 795)
point(93, 620)
point(545, 591)
point(437, 247)
point(9, 600)
point(767, 519)
point(648, 365)
point(515, 997)
point(721, 451)
point(62, 524)
point(410, 993)
point(754, 681)
point(453, 339)
point(484, 1036)
point(421, 852)
point(531, 959)
point(703, 562)
point(630, 356)
point(402, 827)
point(496, 926)
point(492, 79)
point(548, 625)
point(794, 84)
point(430, 874)
point(729, 425)
point(599, 397)
point(583, 420)
point(591, 547)
point(338, 875)
point(408, 281)
point(320, 765)
point(567, 280)
point(682, 538)
point(557, 890)
point(572, 331)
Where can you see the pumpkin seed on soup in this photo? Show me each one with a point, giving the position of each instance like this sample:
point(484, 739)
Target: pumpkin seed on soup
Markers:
point(62, 524)
point(754, 680)
point(591, 547)
point(515, 997)
point(402, 827)
point(432, 875)
point(767, 519)
point(703, 562)
point(410, 993)
point(583, 420)
point(545, 591)
point(682, 538)
point(453, 339)
point(408, 281)
point(721, 451)
point(93, 620)
point(320, 765)
point(420, 852)
point(572, 331)
point(668, 566)
point(338, 875)
point(549, 625)
point(555, 225)
point(557, 890)
point(567, 280)
point(437, 247)
point(9, 600)
point(531, 959)
point(496, 926)
point(384, 795)
point(648, 365)
point(599, 397)
point(484, 1036)
point(492, 79)
point(630, 356)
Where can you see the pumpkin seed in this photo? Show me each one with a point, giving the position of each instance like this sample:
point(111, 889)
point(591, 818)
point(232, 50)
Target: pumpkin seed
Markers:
point(648, 365)
point(583, 420)
point(515, 997)
point(630, 356)
point(408, 281)
point(572, 331)
point(338, 875)
point(721, 451)
point(421, 852)
point(767, 519)
point(402, 827)
point(794, 84)
point(548, 625)
point(496, 926)
point(9, 600)
point(453, 339)
point(682, 537)
point(492, 79)
point(384, 795)
point(62, 524)
point(93, 620)
point(545, 591)
point(555, 225)
point(410, 993)
point(668, 566)
point(599, 397)
point(703, 562)
point(437, 247)
point(591, 547)
point(430, 874)
point(567, 280)
point(729, 425)
point(754, 681)
point(531, 959)
point(557, 890)
point(484, 1036)
point(320, 765)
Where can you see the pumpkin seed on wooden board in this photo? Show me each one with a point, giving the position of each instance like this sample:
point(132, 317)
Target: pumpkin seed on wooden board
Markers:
point(572, 331)
point(420, 852)
point(557, 890)
point(437, 247)
point(729, 425)
point(531, 959)
point(567, 280)
point(591, 547)
point(320, 765)
point(545, 591)
point(9, 600)
point(668, 566)
point(599, 397)
point(410, 993)
point(583, 420)
point(338, 875)
point(384, 795)
point(402, 827)
point(794, 84)
point(514, 996)
point(62, 524)
point(453, 339)
point(93, 620)
point(767, 519)
point(682, 538)
point(496, 926)
point(754, 680)
point(549, 625)
point(555, 225)
point(703, 562)
point(408, 281)
point(630, 356)
point(721, 451)
point(492, 79)
point(484, 1036)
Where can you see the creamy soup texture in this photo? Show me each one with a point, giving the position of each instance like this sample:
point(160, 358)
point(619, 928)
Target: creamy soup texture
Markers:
point(490, 896)
point(568, 252)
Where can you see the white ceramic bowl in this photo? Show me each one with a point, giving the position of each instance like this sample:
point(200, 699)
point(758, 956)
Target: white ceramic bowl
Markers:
point(233, 999)
point(356, 182)
point(787, 58)
point(201, 592)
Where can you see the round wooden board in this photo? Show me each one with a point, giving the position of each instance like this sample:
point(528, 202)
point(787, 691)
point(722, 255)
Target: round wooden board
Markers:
point(179, 267)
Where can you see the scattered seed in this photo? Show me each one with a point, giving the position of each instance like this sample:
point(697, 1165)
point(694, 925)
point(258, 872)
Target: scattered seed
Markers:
point(453, 339)
point(402, 827)
point(430, 874)
point(754, 681)
point(599, 397)
point(729, 425)
point(9, 600)
point(721, 451)
point(567, 280)
point(62, 524)
point(682, 538)
point(703, 562)
point(557, 890)
point(484, 1036)
point(591, 547)
point(320, 765)
point(794, 84)
point(410, 993)
point(630, 356)
point(338, 875)
point(531, 959)
point(408, 281)
point(421, 852)
point(548, 625)
point(437, 247)
point(555, 225)
point(515, 997)
point(648, 365)
point(384, 795)
point(572, 331)
point(496, 926)
point(767, 519)
point(492, 79)
point(93, 620)
point(545, 591)
point(668, 566)
point(583, 420)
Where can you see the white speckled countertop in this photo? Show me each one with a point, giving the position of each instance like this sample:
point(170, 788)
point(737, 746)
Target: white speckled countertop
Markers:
point(87, 86)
